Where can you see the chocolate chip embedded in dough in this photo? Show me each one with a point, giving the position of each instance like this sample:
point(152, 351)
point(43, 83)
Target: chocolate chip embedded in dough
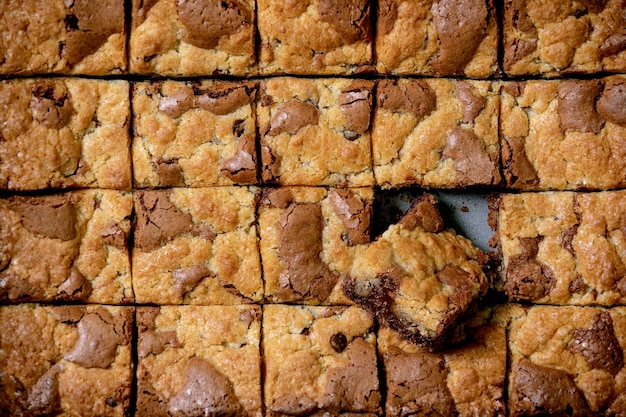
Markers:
point(516, 49)
point(423, 213)
point(293, 405)
point(97, 341)
point(75, 287)
point(461, 26)
point(612, 102)
point(567, 237)
point(207, 391)
point(241, 167)
point(577, 105)
point(170, 173)
point(225, 98)
point(205, 22)
point(355, 102)
point(44, 398)
point(416, 385)
point(50, 216)
point(350, 18)
point(276, 197)
point(411, 96)
point(539, 390)
point(471, 160)
point(355, 214)
point(51, 104)
point(517, 16)
point(114, 235)
point(270, 162)
point(614, 44)
point(339, 342)
point(292, 116)
point(187, 278)
point(89, 24)
point(599, 345)
point(518, 170)
point(595, 6)
point(177, 103)
point(473, 103)
point(527, 278)
point(386, 15)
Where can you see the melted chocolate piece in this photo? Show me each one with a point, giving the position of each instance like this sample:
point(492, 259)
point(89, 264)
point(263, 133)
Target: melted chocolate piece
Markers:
point(577, 105)
point(188, 278)
point(527, 278)
point(473, 103)
point(413, 96)
point(612, 103)
point(472, 162)
point(76, 287)
point(599, 345)
point(355, 102)
point(97, 341)
point(293, 116)
point(423, 213)
point(51, 105)
point(350, 18)
point(518, 170)
point(355, 214)
point(51, 216)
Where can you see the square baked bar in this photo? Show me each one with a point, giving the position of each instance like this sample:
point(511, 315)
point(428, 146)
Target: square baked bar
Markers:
point(196, 361)
point(564, 247)
point(567, 361)
point(65, 360)
point(64, 132)
point(192, 37)
point(564, 134)
point(437, 37)
point(564, 37)
point(62, 37)
point(196, 246)
point(436, 133)
point(316, 131)
point(314, 37)
point(319, 361)
point(194, 134)
point(66, 247)
point(309, 237)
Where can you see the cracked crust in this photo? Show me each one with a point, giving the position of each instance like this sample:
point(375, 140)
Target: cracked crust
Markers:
point(571, 363)
point(73, 360)
point(564, 247)
point(314, 37)
point(436, 133)
point(569, 37)
point(174, 38)
point(315, 132)
point(309, 237)
point(332, 350)
point(196, 246)
point(183, 346)
point(64, 133)
point(561, 135)
point(194, 134)
point(68, 247)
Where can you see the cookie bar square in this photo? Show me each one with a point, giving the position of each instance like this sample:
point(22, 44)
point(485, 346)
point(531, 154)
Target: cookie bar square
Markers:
point(199, 360)
point(194, 134)
point(66, 247)
point(564, 247)
point(62, 37)
point(314, 37)
point(316, 131)
point(65, 360)
point(196, 246)
point(463, 380)
point(319, 360)
point(440, 38)
point(436, 133)
point(563, 37)
point(567, 361)
point(63, 133)
point(192, 38)
point(564, 134)
point(309, 237)
point(418, 278)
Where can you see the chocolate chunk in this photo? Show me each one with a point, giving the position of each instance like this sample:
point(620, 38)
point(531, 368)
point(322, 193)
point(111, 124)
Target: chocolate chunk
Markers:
point(153, 343)
point(567, 236)
point(614, 44)
point(305, 275)
point(75, 287)
point(355, 102)
point(339, 342)
point(169, 172)
point(293, 405)
point(472, 162)
point(50, 216)
point(270, 168)
point(89, 25)
point(158, 220)
point(518, 170)
point(205, 22)
point(43, 398)
point(539, 390)
point(207, 392)
point(69, 314)
point(577, 105)
point(178, 103)
point(187, 278)
point(577, 286)
point(599, 345)
point(355, 214)
point(293, 116)
point(517, 15)
point(459, 281)
point(353, 388)
point(413, 96)
point(527, 278)
point(97, 341)
point(461, 27)
point(473, 103)
point(276, 197)
point(612, 103)
point(225, 98)
point(114, 235)
point(517, 49)
point(249, 316)
point(423, 213)
point(595, 6)
point(515, 89)
point(241, 167)
point(51, 104)
point(150, 402)
point(416, 385)
point(350, 18)
point(386, 15)
point(140, 11)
